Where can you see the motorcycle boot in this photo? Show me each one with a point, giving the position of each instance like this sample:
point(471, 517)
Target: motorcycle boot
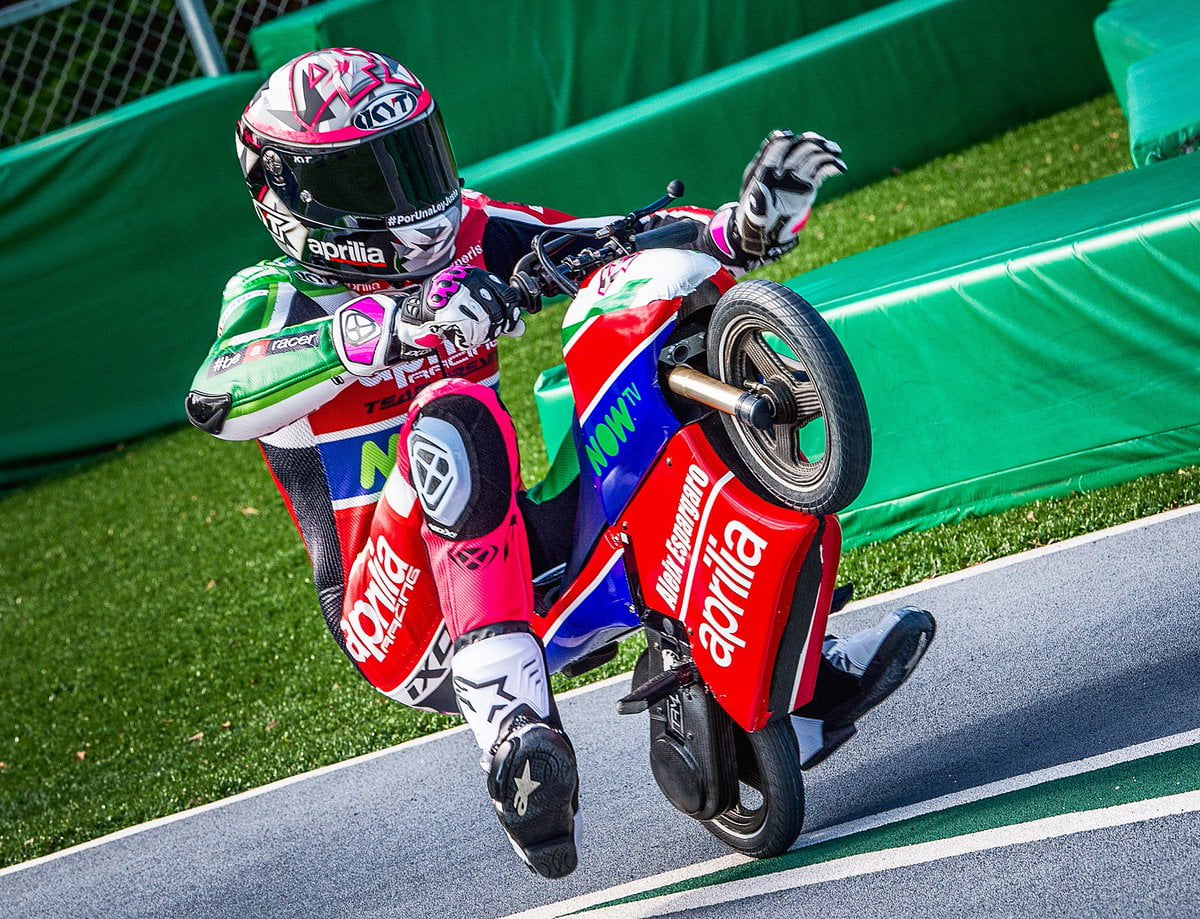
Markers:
point(857, 672)
point(503, 692)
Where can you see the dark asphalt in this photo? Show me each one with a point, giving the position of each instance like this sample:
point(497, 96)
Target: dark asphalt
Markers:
point(1061, 657)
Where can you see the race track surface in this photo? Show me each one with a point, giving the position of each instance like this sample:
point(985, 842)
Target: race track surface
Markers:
point(1046, 661)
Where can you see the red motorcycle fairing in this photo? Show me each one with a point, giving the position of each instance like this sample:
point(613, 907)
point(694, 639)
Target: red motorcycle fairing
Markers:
point(752, 582)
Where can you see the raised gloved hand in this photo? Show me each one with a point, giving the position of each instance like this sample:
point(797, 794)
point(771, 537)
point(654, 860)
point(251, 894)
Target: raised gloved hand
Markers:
point(464, 307)
point(778, 190)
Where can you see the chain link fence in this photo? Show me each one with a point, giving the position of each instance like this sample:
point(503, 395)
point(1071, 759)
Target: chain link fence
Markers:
point(64, 60)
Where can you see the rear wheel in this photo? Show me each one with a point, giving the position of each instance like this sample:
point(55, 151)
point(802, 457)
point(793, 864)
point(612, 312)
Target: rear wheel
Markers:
point(765, 338)
point(769, 813)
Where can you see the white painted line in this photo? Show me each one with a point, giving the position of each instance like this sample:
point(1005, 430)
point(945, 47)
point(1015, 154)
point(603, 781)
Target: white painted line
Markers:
point(907, 856)
point(366, 757)
point(1020, 557)
point(1002, 786)
point(874, 821)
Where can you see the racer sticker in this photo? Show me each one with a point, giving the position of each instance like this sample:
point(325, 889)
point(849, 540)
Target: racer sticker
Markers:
point(264, 346)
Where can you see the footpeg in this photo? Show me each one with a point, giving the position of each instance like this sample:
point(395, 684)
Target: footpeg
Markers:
point(656, 689)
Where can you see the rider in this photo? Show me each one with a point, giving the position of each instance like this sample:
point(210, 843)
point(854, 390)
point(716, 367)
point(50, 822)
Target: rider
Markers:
point(364, 361)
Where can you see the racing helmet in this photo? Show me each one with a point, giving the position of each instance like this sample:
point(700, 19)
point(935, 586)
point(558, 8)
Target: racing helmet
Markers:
point(349, 167)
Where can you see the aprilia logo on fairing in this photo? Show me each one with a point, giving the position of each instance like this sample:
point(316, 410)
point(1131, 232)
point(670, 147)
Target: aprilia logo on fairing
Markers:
point(679, 543)
point(351, 253)
point(370, 626)
point(733, 565)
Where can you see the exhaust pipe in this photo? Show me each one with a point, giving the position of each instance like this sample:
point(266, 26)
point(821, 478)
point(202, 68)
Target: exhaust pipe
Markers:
point(746, 407)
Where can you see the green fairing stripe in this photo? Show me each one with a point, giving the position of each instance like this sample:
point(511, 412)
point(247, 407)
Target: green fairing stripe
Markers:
point(617, 300)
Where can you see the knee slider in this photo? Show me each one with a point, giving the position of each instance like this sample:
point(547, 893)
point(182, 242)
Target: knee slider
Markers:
point(461, 466)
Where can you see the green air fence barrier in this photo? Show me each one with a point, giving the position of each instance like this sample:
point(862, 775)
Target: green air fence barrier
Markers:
point(116, 237)
point(1164, 103)
point(1043, 348)
point(895, 87)
point(1129, 32)
point(506, 73)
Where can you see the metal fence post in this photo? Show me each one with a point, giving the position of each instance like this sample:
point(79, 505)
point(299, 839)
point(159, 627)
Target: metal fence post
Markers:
point(204, 39)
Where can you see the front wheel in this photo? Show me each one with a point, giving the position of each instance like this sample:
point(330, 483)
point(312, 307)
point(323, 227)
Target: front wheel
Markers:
point(766, 339)
point(769, 812)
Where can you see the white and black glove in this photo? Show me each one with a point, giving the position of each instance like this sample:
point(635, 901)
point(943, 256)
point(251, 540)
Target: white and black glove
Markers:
point(463, 307)
point(778, 190)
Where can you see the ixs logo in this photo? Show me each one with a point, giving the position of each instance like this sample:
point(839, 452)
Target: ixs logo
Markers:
point(733, 563)
point(396, 107)
point(370, 625)
point(679, 543)
point(351, 253)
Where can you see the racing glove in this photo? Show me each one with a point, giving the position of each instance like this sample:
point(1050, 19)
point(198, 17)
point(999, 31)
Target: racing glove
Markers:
point(463, 307)
point(778, 190)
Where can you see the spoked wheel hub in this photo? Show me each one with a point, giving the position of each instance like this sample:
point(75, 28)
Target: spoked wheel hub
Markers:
point(765, 339)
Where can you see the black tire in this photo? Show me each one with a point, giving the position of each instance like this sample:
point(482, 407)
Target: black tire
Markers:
point(768, 770)
point(817, 384)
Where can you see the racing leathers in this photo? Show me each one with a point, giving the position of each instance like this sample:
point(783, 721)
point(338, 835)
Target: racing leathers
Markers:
point(331, 440)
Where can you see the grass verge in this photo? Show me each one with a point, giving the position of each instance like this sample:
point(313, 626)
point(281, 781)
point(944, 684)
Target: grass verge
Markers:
point(163, 647)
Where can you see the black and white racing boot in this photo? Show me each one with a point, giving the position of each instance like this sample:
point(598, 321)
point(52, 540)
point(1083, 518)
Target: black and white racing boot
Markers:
point(503, 691)
point(858, 672)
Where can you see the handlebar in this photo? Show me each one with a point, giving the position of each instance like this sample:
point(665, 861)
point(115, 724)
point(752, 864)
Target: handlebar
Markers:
point(671, 236)
point(538, 275)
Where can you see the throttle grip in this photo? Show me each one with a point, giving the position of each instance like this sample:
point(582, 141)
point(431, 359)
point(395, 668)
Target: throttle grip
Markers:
point(675, 235)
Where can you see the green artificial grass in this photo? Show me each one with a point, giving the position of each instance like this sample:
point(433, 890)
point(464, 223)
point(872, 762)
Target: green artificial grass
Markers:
point(163, 646)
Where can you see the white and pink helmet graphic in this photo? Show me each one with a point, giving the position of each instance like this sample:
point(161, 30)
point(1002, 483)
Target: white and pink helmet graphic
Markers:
point(335, 96)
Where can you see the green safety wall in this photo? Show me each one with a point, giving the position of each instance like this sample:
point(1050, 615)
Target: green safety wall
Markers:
point(116, 237)
point(1164, 103)
point(506, 73)
point(895, 87)
point(1043, 348)
point(1133, 30)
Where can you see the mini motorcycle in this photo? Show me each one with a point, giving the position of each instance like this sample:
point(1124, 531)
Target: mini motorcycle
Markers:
point(718, 427)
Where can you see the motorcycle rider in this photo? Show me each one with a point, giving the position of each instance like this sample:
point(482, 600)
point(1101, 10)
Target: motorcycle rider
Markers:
point(364, 361)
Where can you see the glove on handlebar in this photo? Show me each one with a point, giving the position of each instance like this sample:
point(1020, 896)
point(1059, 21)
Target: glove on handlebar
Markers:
point(778, 190)
point(464, 307)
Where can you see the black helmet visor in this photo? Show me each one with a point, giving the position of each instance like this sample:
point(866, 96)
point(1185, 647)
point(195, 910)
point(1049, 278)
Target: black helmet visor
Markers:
point(409, 173)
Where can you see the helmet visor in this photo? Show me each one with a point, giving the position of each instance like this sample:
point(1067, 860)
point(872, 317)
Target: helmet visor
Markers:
point(399, 174)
